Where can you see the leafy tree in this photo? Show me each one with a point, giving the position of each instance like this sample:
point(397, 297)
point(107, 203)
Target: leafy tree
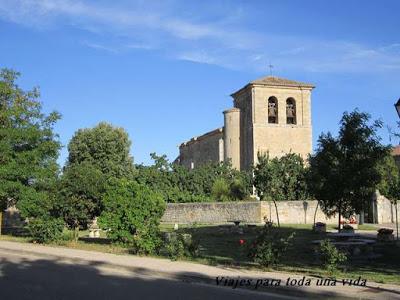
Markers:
point(160, 177)
point(280, 179)
point(132, 213)
point(79, 196)
point(178, 184)
point(106, 147)
point(343, 169)
point(28, 150)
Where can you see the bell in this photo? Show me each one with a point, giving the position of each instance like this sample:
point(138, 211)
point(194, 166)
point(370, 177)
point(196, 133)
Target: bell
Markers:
point(271, 110)
point(290, 112)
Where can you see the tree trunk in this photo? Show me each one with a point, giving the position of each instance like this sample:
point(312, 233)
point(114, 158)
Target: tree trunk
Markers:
point(277, 215)
point(397, 221)
point(1, 222)
point(340, 216)
point(315, 213)
point(76, 232)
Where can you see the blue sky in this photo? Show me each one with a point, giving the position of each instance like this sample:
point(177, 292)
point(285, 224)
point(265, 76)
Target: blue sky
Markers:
point(164, 70)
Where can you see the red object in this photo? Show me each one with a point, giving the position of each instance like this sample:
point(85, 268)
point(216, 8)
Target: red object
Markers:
point(241, 242)
point(353, 220)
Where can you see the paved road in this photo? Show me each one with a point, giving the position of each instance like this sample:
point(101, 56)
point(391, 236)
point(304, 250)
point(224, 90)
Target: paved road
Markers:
point(27, 276)
point(29, 271)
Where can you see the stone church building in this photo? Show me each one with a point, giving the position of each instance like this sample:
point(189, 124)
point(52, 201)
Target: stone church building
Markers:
point(270, 114)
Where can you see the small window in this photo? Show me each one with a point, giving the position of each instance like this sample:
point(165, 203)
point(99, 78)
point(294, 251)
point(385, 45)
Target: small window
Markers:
point(290, 111)
point(272, 110)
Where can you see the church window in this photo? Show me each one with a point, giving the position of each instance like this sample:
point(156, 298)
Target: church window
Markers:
point(272, 110)
point(290, 111)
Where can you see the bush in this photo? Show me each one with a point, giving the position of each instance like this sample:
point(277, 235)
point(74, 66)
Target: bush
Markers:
point(180, 245)
point(45, 230)
point(238, 190)
point(132, 213)
point(175, 247)
point(220, 190)
point(331, 256)
point(269, 247)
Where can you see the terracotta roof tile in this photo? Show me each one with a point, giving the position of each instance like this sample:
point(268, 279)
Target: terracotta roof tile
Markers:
point(277, 81)
point(396, 151)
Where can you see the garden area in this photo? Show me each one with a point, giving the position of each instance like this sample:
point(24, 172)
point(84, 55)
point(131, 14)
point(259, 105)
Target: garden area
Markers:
point(100, 182)
point(223, 245)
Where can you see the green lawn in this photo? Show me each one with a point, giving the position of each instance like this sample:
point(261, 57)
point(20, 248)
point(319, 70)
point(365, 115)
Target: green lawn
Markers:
point(220, 246)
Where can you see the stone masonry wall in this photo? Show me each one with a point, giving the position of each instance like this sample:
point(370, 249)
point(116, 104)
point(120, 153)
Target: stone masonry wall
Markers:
point(290, 212)
point(212, 212)
point(203, 149)
point(385, 210)
point(295, 212)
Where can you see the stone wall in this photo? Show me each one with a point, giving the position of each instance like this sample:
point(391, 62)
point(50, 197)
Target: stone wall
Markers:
point(295, 212)
point(11, 221)
point(212, 212)
point(200, 150)
point(385, 210)
point(290, 212)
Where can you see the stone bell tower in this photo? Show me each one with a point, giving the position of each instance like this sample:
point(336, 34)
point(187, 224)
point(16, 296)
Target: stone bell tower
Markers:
point(271, 115)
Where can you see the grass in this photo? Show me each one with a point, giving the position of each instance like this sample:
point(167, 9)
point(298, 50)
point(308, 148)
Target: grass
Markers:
point(220, 246)
point(367, 227)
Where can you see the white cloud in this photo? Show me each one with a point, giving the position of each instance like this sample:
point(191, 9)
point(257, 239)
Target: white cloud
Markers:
point(100, 47)
point(222, 42)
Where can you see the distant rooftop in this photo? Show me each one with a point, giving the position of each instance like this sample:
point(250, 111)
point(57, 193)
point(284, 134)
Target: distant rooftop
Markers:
point(274, 81)
point(396, 151)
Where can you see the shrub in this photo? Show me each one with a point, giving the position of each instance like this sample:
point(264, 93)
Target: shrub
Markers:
point(45, 230)
point(237, 190)
point(180, 245)
point(385, 231)
point(269, 247)
point(132, 213)
point(331, 256)
point(175, 248)
point(220, 190)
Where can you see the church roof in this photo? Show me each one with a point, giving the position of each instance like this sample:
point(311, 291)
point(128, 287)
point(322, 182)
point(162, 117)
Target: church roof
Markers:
point(277, 81)
point(274, 81)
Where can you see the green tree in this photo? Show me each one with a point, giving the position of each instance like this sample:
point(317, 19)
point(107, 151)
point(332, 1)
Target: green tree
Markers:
point(79, 197)
point(106, 147)
point(132, 213)
point(343, 169)
point(160, 177)
point(28, 150)
point(280, 179)
point(178, 184)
